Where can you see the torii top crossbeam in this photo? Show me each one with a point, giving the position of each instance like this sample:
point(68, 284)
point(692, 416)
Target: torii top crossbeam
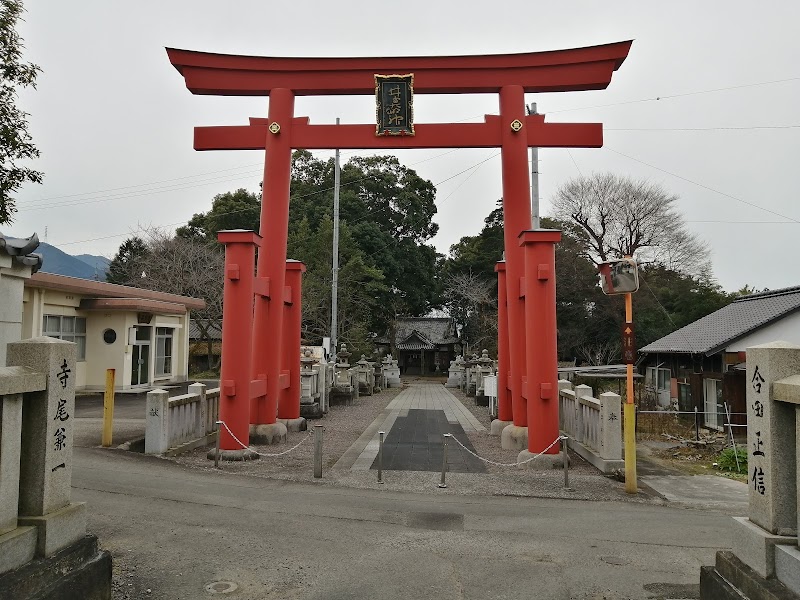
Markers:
point(553, 71)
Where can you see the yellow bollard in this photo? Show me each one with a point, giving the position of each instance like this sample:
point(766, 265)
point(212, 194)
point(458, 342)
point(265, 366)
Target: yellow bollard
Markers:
point(108, 409)
point(630, 449)
point(630, 416)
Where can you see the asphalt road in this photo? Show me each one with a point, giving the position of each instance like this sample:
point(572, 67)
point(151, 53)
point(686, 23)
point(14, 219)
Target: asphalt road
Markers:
point(174, 531)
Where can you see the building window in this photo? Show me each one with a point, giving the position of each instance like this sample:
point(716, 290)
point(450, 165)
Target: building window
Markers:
point(69, 329)
point(658, 378)
point(163, 351)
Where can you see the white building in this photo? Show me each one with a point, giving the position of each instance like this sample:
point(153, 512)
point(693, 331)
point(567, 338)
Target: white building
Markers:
point(142, 334)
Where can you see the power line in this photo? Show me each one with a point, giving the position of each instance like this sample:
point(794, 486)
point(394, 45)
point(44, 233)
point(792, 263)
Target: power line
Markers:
point(460, 185)
point(139, 193)
point(750, 222)
point(139, 185)
point(756, 127)
point(709, 188)
point(297, 197)
point(683, 95)
point(177, 187)
point(125, 187)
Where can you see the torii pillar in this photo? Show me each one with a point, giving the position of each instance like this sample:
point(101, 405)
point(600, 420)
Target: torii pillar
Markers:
point(509, 75)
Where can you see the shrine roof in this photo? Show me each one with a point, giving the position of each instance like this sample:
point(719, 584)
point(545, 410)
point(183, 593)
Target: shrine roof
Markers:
point(714, 332)
point(588, 68)
point(427, 331)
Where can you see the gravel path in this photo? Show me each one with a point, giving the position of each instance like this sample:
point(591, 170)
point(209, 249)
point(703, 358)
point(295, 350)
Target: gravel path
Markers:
point(345, 423)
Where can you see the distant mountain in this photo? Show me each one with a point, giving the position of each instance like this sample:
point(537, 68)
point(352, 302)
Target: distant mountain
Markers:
point(96, 262)
point(84, 266)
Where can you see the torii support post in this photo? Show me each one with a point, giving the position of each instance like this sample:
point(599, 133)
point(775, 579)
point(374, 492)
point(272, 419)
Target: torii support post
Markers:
point(269, 313)
point(236, 387)
point(541, 338)
point(517, 218)
point(504, 410)
point(289, 400)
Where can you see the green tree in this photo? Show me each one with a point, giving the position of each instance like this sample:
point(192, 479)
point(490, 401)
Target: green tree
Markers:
point(17, 144)
point(470, 283)
point(668, 300)
point(480, 253)
point(232, 210)
point(386, 267)
point(122, 266)
point(359, 288)
point(388, 210)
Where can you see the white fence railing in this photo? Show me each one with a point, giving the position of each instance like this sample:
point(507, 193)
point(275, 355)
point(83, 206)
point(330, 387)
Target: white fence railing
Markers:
point(589, 423)
point(594, 424)
point(182, 422)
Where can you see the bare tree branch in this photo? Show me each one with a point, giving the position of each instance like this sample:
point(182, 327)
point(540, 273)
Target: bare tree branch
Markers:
point(626, 217)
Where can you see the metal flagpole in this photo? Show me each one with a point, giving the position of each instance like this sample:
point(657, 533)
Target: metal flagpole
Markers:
point(534, 177)
point(335, 283)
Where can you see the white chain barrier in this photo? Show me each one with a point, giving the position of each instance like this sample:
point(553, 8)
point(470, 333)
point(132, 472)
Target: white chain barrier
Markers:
point(514, 464)
point(238, 441)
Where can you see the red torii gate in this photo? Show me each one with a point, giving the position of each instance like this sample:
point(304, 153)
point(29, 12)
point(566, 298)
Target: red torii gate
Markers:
point(527, 355)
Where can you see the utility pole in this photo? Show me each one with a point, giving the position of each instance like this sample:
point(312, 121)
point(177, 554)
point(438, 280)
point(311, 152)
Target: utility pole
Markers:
point(534, 177)
point(630, 412)
point(335, 284)
point(618, 277)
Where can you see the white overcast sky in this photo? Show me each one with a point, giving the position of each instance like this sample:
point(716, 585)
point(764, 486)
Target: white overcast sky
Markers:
point(114, 121)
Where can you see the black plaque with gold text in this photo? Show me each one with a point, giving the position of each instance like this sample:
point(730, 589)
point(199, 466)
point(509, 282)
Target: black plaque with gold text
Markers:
point(394, 104)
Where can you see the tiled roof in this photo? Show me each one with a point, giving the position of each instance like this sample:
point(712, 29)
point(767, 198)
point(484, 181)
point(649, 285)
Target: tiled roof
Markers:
point(436, 330)
point(21, 251)
point(194, 331)
point(416, 341)
point(742, 316)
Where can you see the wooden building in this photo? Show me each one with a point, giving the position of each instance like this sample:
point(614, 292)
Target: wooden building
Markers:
point(424, 345)
point(703, 364)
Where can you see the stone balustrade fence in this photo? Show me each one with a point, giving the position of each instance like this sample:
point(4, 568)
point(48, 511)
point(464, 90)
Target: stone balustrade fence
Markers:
point(594, 425)
point(181, 423)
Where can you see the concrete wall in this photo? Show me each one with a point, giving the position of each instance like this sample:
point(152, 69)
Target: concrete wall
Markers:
point(12, 285)
point(786, 329)
point(37, 303)
point(100, 355)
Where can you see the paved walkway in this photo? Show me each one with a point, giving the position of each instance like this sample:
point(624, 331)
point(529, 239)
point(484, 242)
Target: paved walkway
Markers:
point(414, 423)
point(282, 540)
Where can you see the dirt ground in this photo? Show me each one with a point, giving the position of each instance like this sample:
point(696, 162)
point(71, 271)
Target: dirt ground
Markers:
point(694, 458)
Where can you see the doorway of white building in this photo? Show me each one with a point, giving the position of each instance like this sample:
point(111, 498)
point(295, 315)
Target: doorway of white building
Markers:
point(140, 356)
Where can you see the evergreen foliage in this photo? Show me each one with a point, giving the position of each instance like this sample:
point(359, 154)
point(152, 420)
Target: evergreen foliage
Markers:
point(15, 142)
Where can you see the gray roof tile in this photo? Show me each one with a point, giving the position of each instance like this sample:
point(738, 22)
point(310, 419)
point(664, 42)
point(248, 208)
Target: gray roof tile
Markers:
point(439, 330)
point(742, 316)
point(194, 331)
